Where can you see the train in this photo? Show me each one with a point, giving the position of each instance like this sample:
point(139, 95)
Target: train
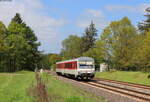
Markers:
point(79, 68)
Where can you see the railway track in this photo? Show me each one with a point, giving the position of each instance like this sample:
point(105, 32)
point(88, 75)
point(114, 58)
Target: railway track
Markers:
point(139, 96)
point(130, 93)
point(124, 83)
point(136, 91)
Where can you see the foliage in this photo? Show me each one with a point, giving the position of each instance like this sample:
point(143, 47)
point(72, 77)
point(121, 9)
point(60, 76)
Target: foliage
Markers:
point(3, 47)
point(31, 53)
point(119, 43)
point(71, 47)
point(48, 61)
point(3, 34)
point(89, 37)
point(145, 26)
point(144, 45)
point(17, 46)
point(75, 46)
point(17, 19)
point(20, 44)
point(53, 58)
point(98, 53)
point(144, 52)
point(44, 62)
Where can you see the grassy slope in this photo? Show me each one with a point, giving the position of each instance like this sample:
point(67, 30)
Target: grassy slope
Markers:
point(13, 89)
point(133, 77)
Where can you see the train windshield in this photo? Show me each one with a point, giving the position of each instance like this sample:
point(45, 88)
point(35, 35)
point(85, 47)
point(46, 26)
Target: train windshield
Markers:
point(86, 65)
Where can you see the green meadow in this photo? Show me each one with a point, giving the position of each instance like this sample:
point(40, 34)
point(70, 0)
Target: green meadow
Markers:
point(13, 86)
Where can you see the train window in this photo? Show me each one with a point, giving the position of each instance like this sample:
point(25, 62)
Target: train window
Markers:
point(68, 65)
point(74, 65)
point(85, 65)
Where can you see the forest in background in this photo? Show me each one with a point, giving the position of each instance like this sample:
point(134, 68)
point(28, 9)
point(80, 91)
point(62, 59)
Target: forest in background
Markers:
point(121, 45)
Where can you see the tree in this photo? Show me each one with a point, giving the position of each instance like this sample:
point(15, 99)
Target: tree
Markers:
point(17, 19)
point(2, 36)
point(32, 54)
point(17, 50)
point(53, 58)
point(3, 47)
point(98, 53)
point(143, 56)
point(29, 53)
point(145, 26)
point(143, 49)
point(71, 47)
point(89, 37)
point(119, 43)
point(45, 62)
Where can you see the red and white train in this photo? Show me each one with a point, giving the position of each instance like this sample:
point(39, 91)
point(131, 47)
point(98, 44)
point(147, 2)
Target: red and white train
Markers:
point(81, 68)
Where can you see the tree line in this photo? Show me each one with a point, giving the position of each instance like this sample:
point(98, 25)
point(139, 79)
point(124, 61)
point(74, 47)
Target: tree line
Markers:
point(121, 45)
point(18, 46)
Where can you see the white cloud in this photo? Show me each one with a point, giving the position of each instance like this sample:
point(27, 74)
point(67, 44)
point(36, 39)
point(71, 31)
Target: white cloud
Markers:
point(92, 15)
point(136, 9)
point(45, 27)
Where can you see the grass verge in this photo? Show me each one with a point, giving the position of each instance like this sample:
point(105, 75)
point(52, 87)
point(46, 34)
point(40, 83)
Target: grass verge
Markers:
point(64, 92)
point(133, 77)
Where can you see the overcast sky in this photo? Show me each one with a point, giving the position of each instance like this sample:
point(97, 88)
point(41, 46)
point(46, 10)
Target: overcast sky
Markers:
point(54, 20)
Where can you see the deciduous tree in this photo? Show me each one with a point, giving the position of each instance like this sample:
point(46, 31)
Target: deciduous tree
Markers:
point(72, 47)
point(119, 40)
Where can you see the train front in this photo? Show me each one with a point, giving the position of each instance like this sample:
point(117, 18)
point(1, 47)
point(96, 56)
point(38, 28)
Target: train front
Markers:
point(86, 68)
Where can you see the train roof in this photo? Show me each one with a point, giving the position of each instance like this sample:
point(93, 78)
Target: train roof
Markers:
point(78, 59)
point(85, 58)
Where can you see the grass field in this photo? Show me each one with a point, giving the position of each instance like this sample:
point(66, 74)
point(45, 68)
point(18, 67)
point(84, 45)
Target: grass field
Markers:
point(133, 77)
point(13, 88)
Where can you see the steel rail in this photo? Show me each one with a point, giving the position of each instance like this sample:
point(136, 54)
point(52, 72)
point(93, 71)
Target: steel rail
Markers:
point(124, 83)
point(141, 96)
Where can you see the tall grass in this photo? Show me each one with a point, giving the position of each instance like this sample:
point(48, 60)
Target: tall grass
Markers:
point(38, 91)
